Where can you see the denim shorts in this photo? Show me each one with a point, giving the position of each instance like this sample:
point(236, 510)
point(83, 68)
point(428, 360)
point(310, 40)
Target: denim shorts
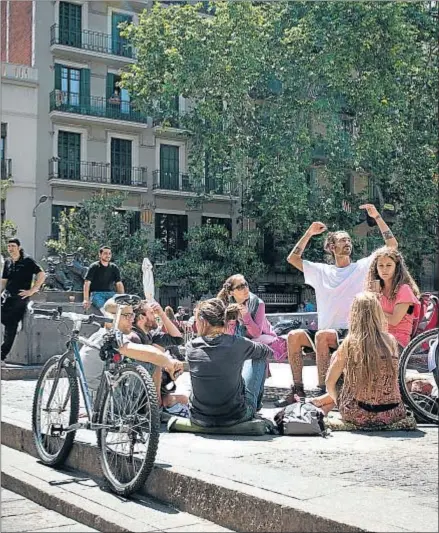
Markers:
point(98, 298)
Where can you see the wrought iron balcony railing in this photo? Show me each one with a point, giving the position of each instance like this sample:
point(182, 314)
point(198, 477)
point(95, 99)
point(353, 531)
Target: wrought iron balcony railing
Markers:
point(176, 181)
point(93, 41)
point(6, 169)
point(171, 181)
point(95, 106)
point(92, 172)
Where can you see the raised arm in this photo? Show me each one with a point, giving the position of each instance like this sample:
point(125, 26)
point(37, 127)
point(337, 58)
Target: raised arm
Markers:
point(171, 328)
point(295, 257)
point(387, 234)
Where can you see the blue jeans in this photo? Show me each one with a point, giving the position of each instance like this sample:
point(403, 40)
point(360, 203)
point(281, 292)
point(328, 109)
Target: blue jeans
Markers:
point(98, 299)
point(253, 373)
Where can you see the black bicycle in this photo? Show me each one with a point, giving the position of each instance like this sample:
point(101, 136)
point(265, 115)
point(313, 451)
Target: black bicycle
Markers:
point(124, 414)
point(414, 370)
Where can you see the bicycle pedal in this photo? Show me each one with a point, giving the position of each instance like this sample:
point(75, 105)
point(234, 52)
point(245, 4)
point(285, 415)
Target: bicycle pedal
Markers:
point(56, 430)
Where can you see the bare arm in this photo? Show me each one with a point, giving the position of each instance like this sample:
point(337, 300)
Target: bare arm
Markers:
point(39, 280)
point(151, 354)
point(170, 327)
point(399, 312)
point(120, 289)
point(4, 281)
point(86, 290)
point(387, 234)
point(295, 256)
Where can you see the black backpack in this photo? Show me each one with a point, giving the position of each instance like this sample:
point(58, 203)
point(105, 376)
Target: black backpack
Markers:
point(285, 326)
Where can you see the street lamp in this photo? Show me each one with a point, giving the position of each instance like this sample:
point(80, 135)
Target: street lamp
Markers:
point(43, 198)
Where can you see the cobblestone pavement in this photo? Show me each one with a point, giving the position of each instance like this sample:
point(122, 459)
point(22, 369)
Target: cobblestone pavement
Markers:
point(404, 461)
point(21, 514)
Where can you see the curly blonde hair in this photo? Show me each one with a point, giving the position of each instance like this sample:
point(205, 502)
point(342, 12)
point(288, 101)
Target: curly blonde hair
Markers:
point(402, 275)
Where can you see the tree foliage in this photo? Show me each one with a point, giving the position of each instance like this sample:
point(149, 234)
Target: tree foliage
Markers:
point(100, 221)
point(211, 257)
point(280, 88)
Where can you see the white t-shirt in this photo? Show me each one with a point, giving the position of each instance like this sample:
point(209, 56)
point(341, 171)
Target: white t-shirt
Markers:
point(91, 361)
point(335, 289)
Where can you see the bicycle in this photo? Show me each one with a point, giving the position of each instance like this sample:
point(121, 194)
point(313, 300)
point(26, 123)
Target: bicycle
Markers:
point(124, 414)
point(414, 364)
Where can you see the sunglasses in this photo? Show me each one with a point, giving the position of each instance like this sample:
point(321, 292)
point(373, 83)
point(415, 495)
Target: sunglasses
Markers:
point(240, 287)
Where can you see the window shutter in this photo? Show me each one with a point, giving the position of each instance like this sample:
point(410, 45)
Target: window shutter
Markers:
point(58, 68)
point(110, 85)
point(85, 86)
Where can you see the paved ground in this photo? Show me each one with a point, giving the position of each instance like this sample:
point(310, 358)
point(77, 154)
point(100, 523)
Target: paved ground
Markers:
point(21, 514)
point(391, 477)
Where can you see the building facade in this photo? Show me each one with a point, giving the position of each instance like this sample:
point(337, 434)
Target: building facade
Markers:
point(90, 137)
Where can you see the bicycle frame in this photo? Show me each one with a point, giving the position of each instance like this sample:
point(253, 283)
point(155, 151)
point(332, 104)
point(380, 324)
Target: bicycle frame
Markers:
point(79, 368)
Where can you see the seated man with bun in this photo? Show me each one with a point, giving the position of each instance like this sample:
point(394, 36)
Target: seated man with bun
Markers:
point(94, 366)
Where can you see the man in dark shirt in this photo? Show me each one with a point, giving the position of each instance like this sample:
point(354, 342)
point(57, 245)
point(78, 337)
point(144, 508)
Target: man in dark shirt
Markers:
point(146, 331)
point(18, 273)
point(101, 280)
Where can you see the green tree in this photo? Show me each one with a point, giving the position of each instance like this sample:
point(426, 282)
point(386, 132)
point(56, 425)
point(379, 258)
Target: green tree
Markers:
point(278, 89)
point(211, 257)
point(8, 228)
point(98, 221)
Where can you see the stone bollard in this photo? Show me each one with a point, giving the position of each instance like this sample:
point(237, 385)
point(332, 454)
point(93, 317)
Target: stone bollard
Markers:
point(40, 339)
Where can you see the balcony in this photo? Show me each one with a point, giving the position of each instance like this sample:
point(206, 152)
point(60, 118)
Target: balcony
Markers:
point(84, 172)
point(91, 42)
point(95, 106)
point(171, 181)
point(176, 181)
point(6, 169)
point(271, 298)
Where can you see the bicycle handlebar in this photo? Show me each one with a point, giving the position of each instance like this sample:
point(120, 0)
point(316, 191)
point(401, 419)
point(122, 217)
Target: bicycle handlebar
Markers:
point(57, 314)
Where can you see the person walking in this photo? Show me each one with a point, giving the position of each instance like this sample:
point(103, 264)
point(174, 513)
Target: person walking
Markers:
point(102, 281)
point(335, 286)
point(18, 273)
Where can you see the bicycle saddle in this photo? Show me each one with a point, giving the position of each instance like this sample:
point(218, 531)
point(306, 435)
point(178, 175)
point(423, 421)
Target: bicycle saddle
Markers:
point(127, 299)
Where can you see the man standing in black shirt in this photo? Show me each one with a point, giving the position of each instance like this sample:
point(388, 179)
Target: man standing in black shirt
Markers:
point(18, 273)
point(102, 280)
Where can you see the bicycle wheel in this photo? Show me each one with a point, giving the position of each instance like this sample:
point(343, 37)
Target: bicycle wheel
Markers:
point(53, 449)
point(128, 444)
point(413, 366)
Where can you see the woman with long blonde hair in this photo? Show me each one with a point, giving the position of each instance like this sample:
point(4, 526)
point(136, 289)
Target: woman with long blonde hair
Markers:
point(389, 277)
point(367, 362)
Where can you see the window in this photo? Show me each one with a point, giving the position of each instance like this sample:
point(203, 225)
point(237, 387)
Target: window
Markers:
point(69, 155)
point(133, 220)
point(70, 24)
point(3, 152)
point(118, 98)
point(169, 167)
point(119, 45)
point(121, 161)
point(56, 217)
point(70, 85)
point(170, 229)
point(218, 221)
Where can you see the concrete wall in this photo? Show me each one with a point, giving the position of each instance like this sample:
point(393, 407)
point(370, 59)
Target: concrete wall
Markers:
point(19, 112)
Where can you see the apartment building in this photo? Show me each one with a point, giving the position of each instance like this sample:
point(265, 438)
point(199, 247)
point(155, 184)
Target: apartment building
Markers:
point(90, 137)
point(19, 118)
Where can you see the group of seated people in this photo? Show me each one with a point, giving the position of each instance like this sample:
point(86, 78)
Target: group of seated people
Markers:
point(366, 311)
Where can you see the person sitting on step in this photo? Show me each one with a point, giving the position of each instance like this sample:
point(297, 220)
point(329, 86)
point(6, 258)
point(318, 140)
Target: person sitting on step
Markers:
point(223, 393)
point(362, 379)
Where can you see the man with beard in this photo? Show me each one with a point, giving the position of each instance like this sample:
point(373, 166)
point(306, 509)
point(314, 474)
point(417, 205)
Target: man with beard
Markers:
point(146, 331)
point(335, 286)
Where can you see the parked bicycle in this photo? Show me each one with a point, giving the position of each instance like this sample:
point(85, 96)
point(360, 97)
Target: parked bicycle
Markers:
point(419, 385)
point(124, 414)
